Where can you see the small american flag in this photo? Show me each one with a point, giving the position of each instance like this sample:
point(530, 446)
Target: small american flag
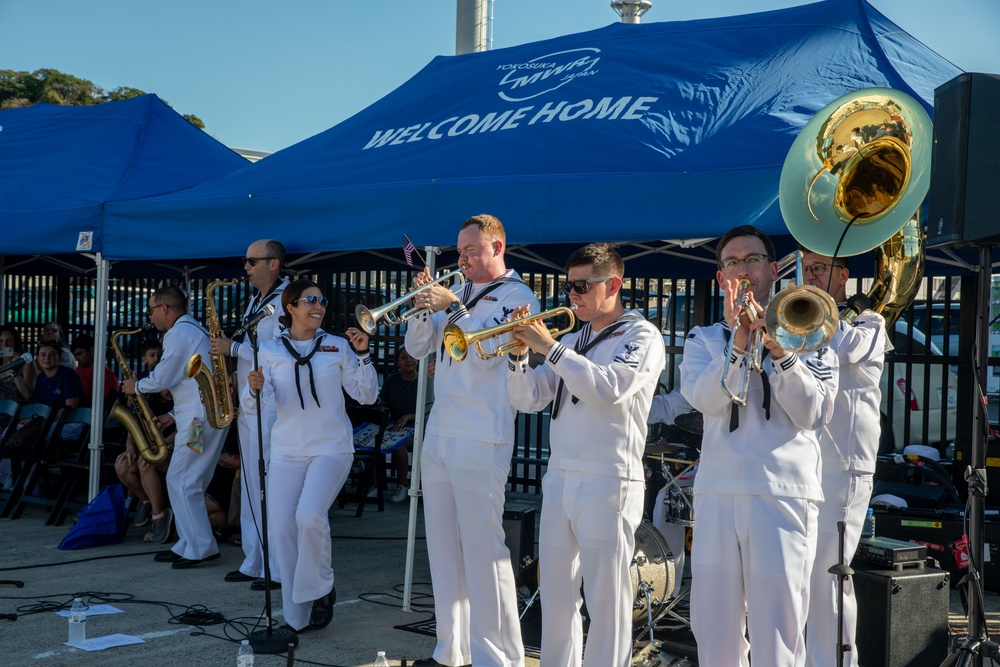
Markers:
point(408, 250)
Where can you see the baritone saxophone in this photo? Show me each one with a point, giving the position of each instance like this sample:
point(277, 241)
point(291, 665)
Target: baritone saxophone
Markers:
point(141, 424)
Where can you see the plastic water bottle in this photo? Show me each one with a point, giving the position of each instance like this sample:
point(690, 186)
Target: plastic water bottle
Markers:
point(245, 656)
point(77, 622)
point(868, 530)
point(380, 660)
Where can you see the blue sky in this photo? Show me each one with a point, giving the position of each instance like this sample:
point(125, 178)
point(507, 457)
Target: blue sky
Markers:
point(266, 74)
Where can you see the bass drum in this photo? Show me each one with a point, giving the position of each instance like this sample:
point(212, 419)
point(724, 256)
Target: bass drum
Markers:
point(652, 571)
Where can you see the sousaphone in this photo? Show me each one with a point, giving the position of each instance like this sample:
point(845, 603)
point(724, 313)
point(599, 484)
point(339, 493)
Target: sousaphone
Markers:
point(854, 180)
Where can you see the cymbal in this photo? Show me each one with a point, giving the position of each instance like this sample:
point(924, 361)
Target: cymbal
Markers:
point(656, 449)
point(691, 422)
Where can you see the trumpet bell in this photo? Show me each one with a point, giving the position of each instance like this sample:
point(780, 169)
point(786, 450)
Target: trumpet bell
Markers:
point(866, 157)
point(801, 318)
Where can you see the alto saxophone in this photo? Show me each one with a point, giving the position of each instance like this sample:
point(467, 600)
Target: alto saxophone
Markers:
point(216, 386)
point(141, 425)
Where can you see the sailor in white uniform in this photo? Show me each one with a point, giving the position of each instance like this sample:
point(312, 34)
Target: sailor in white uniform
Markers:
point(758, 487)
point(304, 373)
point(600, 381)
point(849, 445)
point(263, 263)
point(197, 444)
point(465, 458)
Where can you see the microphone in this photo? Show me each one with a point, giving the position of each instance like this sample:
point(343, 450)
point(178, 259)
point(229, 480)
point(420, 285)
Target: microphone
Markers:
point(23, 360)
point(253, 321)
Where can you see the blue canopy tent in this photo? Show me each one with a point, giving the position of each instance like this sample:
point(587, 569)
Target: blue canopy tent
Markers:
point(659, 131)
point(59, 165)
point(661, 134)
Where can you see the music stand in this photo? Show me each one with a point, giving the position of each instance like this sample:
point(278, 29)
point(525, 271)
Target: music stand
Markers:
point(270, 640)
point(974, 647)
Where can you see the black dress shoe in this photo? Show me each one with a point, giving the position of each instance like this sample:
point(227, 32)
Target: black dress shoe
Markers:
point(236, 576)
point(166, 557)
point(291, 629)
point(322, 611)
point(258, 585)
point(185, 563)
point(430, 662)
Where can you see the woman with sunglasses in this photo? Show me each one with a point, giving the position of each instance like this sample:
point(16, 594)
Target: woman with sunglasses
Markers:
point(304, 374)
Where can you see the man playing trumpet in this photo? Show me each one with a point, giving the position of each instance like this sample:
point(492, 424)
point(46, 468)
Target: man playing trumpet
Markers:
point(600, 381)
point(466, 456)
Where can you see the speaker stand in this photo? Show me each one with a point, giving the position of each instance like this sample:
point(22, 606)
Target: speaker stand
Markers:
point(971, 650)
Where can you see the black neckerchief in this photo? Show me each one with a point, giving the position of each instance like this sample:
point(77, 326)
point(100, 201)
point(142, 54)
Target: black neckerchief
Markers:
point(304, 361)
point(734, 414)
point(582, 349)
point(257, 302)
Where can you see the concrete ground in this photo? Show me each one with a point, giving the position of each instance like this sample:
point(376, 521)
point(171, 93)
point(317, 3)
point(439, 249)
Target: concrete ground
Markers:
point(369, 558)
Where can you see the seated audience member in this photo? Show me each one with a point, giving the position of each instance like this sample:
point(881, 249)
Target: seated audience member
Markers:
point(83, 350)
point(56, 386)
point(143, 480)
point(52, 332)
point(17, 384)
point(399, 395)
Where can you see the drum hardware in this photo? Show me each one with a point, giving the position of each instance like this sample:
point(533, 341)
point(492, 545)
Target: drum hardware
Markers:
point(655, 449)
point(691, 422)
point(652, 573)
point(679, 496)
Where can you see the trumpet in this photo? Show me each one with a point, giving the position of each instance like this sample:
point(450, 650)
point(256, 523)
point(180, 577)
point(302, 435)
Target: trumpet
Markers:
point(754, 349)
point(368, 318)
point(457, 342)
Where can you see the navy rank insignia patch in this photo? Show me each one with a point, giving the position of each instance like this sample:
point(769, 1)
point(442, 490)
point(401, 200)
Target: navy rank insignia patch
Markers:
point(329, 348)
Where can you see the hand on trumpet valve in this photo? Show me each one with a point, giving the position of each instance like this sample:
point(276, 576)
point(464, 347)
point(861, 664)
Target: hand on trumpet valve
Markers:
point(533, 334)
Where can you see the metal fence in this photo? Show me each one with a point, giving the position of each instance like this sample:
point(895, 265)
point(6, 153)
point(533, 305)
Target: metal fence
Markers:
point(927, 377)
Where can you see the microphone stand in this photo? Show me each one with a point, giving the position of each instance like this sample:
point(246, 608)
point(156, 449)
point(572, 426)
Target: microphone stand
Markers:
point(269, 640)
point(842, 571)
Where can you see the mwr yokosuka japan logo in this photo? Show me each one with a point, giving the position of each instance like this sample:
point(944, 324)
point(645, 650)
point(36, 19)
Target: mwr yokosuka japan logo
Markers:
point(523, 81)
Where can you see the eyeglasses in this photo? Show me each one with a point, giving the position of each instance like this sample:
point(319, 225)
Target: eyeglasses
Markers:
point(751, 261)
point(312, 300)
point(582, 286)
point(152, 309)
point(252, 261)
point(819, 268)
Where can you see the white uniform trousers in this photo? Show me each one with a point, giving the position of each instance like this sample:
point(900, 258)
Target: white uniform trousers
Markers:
point(250, 523)
point(299, 525)
point(301, 490)
point(475, 597)
point(675, 536)
point(846, 499)
point(750, 563)
point(188, 477)
point(587, 535)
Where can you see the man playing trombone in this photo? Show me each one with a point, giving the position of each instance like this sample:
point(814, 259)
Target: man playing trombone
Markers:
point(466, 456)
point(849, 446)
point(600, 381)
point(758, 483)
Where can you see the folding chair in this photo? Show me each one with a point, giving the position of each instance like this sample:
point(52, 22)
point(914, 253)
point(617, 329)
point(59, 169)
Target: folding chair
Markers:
point(361, 471)
point(25, 465)
point(72, 463)
point(8, 415)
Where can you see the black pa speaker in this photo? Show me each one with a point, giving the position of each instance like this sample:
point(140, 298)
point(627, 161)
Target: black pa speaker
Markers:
point(964, 202)
point(519, 536)
point(902, 615)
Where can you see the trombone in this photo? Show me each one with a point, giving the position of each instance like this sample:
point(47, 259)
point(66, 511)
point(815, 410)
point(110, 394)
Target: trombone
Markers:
point(457, 342)
point(368, 319)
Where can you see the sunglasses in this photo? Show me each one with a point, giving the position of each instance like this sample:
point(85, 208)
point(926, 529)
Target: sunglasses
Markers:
point(312, 300)
point(582, 286)
point(252, 261)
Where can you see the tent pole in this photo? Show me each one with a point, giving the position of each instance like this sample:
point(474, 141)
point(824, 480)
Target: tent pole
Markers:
point(100, 359)
point(431, 253)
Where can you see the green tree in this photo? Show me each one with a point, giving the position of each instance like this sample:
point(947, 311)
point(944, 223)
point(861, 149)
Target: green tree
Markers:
point(22, 89)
